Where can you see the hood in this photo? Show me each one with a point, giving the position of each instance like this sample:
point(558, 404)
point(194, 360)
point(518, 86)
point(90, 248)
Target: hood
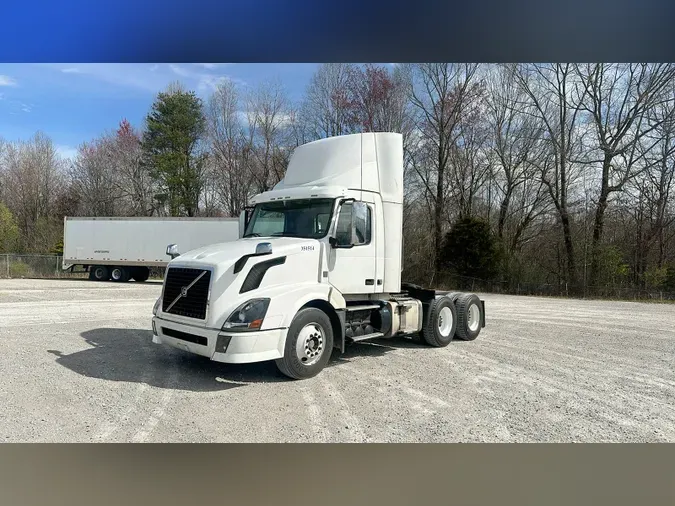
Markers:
point(224, 254)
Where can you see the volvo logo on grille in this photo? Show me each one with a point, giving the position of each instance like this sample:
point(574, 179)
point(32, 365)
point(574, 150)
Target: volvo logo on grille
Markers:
point(184, 291)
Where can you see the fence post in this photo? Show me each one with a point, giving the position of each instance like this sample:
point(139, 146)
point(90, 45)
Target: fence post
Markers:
point(56, 266)
point(7, 263)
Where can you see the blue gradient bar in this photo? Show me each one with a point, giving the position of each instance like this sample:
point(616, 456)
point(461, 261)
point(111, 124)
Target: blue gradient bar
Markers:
point(348, 30)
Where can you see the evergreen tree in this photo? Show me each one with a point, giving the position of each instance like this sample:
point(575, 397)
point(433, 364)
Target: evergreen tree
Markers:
point(470, 249)
point(171, 148)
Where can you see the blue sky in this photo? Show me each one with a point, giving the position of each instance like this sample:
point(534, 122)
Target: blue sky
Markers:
point(73, 103)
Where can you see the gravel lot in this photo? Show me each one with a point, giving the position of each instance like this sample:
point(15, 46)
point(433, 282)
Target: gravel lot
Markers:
point(77, 364)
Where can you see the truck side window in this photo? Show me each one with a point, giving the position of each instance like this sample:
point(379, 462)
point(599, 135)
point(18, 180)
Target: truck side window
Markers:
point(362, 225)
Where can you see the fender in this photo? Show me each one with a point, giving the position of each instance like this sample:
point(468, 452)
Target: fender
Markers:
point(303, 295)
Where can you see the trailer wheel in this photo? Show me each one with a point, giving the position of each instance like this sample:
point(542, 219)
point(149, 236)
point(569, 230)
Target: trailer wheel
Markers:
point(140, 274)
point(469, 317)
point(99, 273)
point(309, 344)
point(119, 274)
point(440, 322)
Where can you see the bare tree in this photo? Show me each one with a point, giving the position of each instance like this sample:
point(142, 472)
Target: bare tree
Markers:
point(227, 141)
point(440, 94)
point(33, 174)
point(516, 136)
point(134, 181)
point(618, 99)
point(95, 181)
point(378, 99)
point(549, 90)
point(470, 165)
point(267, 119)
point(327, 109)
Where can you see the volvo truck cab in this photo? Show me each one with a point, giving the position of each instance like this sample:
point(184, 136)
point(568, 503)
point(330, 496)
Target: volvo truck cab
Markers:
point(317, 266)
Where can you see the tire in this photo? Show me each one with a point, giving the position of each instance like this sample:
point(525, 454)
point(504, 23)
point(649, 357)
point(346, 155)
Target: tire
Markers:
point(140, 274)
point(453, 296)
point(440, 322)
point(310, 328)
point(469, 317)
point(99, 273)
point(119, 274)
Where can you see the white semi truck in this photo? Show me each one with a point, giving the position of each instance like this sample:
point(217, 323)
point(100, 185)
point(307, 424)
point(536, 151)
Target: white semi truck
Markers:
point(125, 248)
point(318, 266)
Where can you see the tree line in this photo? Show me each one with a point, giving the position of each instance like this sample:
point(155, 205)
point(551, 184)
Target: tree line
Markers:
point(520, 174)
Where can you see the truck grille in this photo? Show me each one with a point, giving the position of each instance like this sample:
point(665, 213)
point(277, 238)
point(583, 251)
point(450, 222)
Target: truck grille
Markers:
point(190, 302)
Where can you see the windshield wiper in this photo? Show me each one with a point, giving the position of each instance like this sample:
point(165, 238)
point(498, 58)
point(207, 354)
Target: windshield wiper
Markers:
point(252, 234)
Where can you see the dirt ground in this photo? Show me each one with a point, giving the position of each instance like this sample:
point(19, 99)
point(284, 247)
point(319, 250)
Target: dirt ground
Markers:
point(78, 364)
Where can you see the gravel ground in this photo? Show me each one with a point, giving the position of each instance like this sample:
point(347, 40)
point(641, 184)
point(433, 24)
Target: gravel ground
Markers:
point(78, 364)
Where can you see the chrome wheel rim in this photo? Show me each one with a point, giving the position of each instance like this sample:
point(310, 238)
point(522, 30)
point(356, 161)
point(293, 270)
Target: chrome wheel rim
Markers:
point(99, 272)
point(474, 317)
point(445, 321)
point(310, 344)
point(116, 274)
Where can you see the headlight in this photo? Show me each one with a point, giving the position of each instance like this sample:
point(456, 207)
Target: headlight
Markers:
point(248, 316)
point(156, 307)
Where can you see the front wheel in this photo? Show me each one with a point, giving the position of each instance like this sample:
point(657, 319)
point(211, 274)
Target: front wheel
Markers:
point(309, 345)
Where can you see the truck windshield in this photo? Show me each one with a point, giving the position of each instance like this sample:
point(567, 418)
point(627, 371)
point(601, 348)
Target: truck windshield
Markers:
point(307, 218)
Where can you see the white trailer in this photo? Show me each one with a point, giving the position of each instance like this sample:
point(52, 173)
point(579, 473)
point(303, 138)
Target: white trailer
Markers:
point(318, 267)
point(125, 248)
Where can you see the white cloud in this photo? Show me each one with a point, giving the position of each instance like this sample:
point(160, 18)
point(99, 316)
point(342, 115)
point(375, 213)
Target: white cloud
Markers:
point(210, 83)
point(180, 71)
point(212, 66)
point(7, 81)
point(66, 152)
point(149, 78)
point(26, 108)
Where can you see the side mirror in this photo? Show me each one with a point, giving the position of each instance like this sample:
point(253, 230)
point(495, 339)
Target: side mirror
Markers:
point(172, 250)
point(263, 248)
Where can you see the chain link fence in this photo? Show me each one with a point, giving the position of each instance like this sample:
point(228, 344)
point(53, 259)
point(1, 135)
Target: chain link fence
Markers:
point(47, 267)
point(454, 282)
point(50, 266)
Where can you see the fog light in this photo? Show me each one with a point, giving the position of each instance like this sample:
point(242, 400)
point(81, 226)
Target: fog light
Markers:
point(222, 343)
point(154, 327)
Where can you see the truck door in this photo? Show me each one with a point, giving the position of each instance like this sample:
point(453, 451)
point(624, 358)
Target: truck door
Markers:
point(352, 256)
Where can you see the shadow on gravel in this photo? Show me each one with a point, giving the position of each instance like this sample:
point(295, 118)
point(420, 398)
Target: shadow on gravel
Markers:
point(130, 355)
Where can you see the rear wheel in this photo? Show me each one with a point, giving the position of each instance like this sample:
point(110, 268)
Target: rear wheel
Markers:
point(309, 345)
point(119, 274)
point(469, 317)
point(440, 322)
point(453, 296)
point(140, 274)
point(99, 273)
